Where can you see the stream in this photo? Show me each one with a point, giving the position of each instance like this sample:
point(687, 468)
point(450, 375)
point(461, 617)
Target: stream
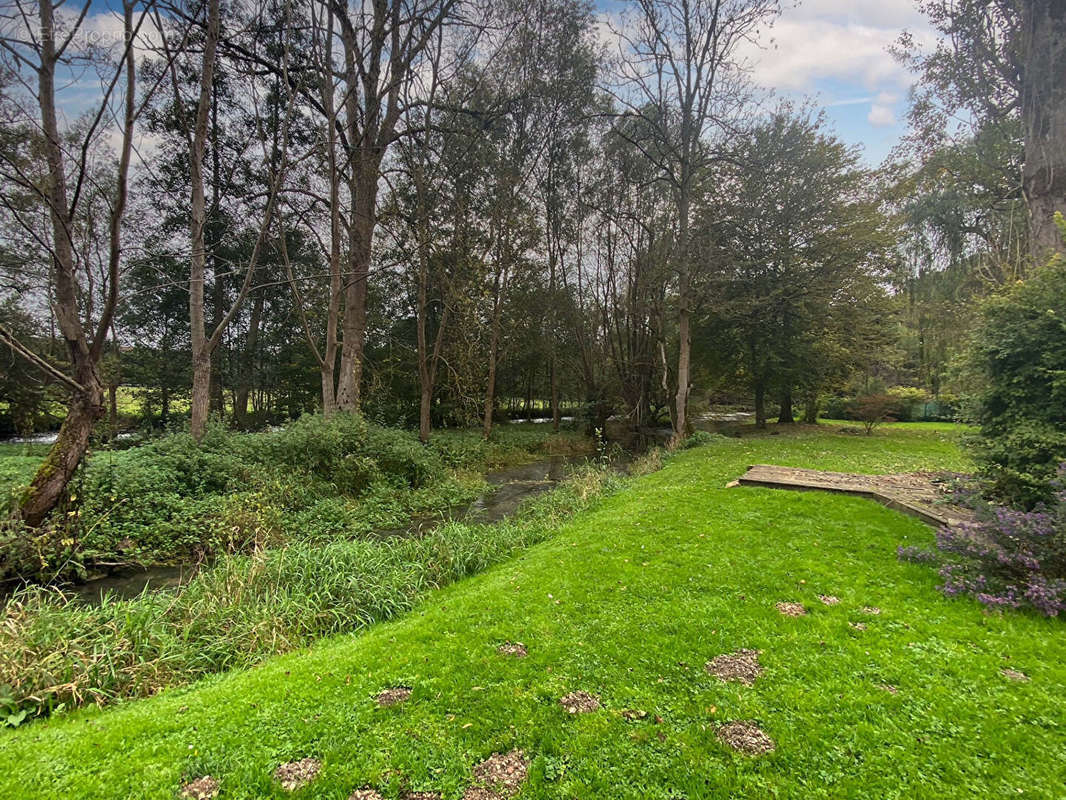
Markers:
point(508, 488)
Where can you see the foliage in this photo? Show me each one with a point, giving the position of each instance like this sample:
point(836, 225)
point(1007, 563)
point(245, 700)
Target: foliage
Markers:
point(315, 479)
point(1018, 361)
point(801, 244)
point(873, 410)
point(910, 402)
point(1006, 558)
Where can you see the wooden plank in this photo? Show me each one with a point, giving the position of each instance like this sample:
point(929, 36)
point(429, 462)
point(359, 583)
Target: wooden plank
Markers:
point(913, 493)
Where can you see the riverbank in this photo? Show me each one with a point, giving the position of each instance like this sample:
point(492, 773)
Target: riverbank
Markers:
point(57, 652)
point(882, 688)
point(174, 503)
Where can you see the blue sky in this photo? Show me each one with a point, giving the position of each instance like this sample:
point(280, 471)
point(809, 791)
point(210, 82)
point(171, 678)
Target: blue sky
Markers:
point(834, 52)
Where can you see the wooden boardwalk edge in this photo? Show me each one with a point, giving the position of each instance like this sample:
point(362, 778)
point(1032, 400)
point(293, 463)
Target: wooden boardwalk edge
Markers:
point(767, 476)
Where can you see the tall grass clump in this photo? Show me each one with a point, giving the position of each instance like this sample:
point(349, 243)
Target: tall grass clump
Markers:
point(56, 653)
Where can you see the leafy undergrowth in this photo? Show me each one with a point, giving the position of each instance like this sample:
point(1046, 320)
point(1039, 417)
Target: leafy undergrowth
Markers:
point(315, 480)
point(928, 697)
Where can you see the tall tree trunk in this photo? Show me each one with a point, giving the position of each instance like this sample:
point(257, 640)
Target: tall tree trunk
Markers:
point(786, 415)
point(490, 380)
point(760, 405)
point(1044, 118)
point(201, 352)
point(361, 227)
point(684, 321)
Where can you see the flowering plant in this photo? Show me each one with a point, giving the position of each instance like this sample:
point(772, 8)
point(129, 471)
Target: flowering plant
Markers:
point(1005, 558)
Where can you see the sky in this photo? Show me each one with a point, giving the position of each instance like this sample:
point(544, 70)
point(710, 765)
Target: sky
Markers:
point(835, 53)
point(832, 52)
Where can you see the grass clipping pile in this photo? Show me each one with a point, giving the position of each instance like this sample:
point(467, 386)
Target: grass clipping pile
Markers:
point(746, 737)
point(740, 667)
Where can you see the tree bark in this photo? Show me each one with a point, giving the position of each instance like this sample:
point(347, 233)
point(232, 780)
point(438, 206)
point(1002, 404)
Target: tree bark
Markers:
point(494, 353)
point(684, 316)
point(362, 222)
point(1044, 118)
point(786, 415)
point(810, 412)
point(760, 405)
point(201, 354)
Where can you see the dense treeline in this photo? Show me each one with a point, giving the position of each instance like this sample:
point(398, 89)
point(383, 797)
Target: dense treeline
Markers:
point(436, 212)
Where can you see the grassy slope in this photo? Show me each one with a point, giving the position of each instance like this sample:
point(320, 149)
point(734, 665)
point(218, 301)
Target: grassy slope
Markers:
point(629, 602)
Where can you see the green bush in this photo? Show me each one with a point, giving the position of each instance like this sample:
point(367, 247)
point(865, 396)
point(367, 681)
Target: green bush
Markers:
point(910, 402)
point(1018, 356)
point(315, 480)
point(835, 407)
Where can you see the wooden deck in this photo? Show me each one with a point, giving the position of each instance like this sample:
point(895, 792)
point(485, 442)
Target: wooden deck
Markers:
point(913, 493)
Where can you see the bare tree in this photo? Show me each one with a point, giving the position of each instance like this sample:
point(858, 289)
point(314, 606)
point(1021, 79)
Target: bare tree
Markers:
point(196, 132)
point(683, 80)
point(383, 42)
point(40, 52)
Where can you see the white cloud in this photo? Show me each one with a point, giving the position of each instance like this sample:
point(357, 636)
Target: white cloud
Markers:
point(881, 116)
point(880, 13)
point(800, 52)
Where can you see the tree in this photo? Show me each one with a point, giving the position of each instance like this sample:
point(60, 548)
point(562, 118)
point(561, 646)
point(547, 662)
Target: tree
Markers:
point(382, 51)
point(999, 63)
point(38, 55)
point(195, 130)
point(681, 76)
point(804, 242)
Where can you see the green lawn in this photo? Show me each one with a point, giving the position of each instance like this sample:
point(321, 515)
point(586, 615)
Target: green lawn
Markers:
point(629, 601)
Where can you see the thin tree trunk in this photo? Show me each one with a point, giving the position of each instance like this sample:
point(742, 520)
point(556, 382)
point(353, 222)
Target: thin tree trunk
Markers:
point(248, 369)
point(684, 320)
point(556, 414)
point(201, 355)
point(490, 381)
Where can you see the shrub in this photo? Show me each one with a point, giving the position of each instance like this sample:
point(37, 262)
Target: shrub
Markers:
point(1006, 558)
point(835, 407)
point(1018, 357)
point(910, 402)
point(873, 409)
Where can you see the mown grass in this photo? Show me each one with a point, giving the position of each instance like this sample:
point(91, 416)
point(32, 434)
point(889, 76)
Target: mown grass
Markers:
point(628, 601)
